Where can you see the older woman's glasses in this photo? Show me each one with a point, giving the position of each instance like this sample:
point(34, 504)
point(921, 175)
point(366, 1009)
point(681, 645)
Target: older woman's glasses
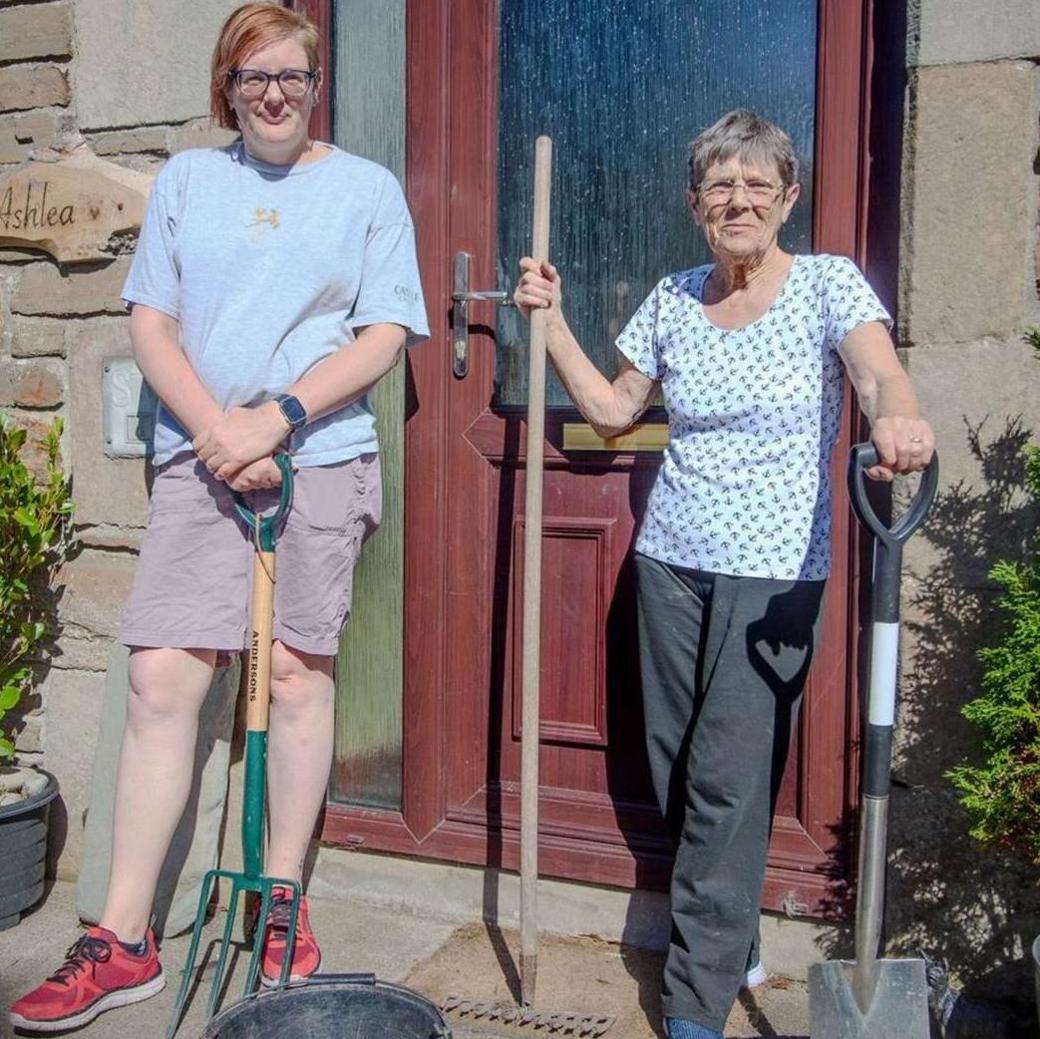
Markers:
point(758, 190)
point(254, 83)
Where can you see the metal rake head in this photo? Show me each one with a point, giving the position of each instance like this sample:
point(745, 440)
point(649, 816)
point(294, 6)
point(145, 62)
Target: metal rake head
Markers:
point(546, 1022)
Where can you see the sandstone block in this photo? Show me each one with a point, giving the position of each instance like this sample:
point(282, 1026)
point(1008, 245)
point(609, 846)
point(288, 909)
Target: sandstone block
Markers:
point(73, 704)
point(23, 133)
point(32, 384)
point(38, 337)
point(36, 427)
point(199, 133)
point(94, 587)
point(124, 142)
point(35, 31)
point(964, 30)
point(983, 400)
point(144, 63)
point(46, 289)
point(109, 491)
point(970, 208)
point(992, 382)
point(29, 739)
point(110, 536)
point(32, 86)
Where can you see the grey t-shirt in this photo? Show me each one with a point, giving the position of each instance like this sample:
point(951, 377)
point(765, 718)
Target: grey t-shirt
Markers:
point(271, 269)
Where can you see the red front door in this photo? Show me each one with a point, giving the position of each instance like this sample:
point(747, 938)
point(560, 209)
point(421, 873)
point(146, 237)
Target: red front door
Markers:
point(465, 444)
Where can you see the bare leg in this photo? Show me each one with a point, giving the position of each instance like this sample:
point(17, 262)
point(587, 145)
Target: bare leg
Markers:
point(167, 688)
point(299, 754)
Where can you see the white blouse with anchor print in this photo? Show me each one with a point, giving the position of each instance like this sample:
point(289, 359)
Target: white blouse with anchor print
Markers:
point(753, 414)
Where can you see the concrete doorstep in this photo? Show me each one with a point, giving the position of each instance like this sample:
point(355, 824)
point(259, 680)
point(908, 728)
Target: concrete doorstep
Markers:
point(438, 958)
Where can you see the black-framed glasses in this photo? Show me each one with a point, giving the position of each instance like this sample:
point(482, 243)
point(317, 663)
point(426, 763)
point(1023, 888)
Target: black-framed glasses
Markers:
point(253, 83)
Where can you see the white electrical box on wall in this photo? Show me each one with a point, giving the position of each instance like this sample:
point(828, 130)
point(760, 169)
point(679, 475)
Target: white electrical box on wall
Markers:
point(128, 409)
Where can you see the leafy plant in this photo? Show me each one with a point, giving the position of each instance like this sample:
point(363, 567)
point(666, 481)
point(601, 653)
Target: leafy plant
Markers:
point(35, 517)
point(1002, 793)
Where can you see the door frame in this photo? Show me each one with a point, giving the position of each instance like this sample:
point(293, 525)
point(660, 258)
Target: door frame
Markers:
point(850, 168)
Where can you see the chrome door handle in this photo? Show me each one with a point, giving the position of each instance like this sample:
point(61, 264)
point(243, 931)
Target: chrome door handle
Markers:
point(461, 297)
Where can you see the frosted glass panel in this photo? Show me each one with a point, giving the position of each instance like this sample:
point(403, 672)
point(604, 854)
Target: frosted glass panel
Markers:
point(369, 120)
point(622, 86)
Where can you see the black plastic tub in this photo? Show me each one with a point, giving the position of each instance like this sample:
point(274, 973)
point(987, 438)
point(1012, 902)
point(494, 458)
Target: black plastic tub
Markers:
point(332, 1006)
point(23, 852)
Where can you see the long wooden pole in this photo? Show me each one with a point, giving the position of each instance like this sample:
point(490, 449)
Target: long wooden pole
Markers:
point(533, 594)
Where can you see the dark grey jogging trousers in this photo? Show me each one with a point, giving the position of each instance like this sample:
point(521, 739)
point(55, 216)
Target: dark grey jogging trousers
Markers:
point(723, 661)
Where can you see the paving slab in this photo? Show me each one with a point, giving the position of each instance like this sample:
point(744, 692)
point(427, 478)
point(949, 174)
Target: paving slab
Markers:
point(437, 957)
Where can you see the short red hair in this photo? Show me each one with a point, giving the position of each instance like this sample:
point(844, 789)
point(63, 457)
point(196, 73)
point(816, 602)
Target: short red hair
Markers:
point(248, 29)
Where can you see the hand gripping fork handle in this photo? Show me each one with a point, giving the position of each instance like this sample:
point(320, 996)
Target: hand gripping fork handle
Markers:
point(887, 999)
point(264, 530)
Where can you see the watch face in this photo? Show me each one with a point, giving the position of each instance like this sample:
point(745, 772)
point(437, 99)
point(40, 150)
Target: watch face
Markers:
point(292, 409)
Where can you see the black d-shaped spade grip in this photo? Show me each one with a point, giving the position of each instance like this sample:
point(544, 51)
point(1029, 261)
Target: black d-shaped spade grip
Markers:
point(889, 540)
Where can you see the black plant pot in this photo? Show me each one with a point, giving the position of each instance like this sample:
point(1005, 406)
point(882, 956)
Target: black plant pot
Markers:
point(1036, 976)
point(23, 852)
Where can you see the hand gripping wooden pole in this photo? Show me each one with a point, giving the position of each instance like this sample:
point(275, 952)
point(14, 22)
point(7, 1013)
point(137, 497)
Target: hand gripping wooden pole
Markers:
point(533, 594)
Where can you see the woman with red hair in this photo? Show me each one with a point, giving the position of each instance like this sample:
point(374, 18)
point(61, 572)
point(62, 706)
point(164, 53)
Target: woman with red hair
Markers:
point(274, 283)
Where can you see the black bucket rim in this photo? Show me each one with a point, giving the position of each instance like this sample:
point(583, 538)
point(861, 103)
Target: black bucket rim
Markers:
point(29, 804)
point(334, 982)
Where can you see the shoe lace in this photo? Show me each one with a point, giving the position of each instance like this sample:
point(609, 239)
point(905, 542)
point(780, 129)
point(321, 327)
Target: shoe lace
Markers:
point(278, 914)
point(87, 950)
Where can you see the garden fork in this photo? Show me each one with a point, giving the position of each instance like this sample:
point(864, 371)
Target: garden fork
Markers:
point(250, 879)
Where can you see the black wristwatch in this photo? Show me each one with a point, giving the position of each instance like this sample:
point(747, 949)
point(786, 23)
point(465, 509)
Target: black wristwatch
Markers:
point(292, 410)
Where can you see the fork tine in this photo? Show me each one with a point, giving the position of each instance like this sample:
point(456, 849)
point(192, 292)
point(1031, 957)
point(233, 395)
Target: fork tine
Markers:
point(193, 950)
point(290, 935)
point(258, 938)
point(225, 944)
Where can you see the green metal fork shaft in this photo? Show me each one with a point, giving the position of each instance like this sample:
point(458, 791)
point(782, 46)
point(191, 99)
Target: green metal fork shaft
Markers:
point(253, 803)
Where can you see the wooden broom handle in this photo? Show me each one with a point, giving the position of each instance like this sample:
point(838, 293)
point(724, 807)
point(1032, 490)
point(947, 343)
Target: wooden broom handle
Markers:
point(533, 591)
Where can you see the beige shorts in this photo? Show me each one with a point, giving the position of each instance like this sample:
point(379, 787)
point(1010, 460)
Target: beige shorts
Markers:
point(192, 584)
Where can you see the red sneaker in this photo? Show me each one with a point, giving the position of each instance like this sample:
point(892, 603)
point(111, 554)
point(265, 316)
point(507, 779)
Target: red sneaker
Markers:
point(97, 975)
point(306, 954)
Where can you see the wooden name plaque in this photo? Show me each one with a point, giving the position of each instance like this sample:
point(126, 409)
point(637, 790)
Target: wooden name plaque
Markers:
point(78, 208)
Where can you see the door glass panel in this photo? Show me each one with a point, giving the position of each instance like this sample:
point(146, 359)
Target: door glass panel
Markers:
point(622, 86)
point(369, 120)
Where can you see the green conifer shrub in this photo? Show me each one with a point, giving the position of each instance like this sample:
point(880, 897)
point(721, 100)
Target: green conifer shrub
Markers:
point(1001, 793)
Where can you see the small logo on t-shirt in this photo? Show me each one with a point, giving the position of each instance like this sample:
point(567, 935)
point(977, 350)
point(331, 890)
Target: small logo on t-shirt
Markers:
point(262, 220)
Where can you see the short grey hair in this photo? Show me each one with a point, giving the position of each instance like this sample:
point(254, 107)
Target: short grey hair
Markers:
point(743, 135)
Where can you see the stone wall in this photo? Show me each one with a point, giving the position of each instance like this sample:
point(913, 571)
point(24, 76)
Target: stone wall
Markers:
point(132, 79)
point(969, 279)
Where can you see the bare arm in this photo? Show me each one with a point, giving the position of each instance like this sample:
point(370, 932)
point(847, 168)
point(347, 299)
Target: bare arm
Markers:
point(610, 407)
point(245, 434)
point(904, 440)
point(351, 371)
point(155, 337)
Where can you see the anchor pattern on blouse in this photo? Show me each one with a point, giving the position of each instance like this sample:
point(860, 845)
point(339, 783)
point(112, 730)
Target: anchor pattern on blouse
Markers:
point(744, 487)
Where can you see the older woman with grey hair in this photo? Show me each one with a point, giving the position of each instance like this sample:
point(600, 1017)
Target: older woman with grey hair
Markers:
point(734, 549)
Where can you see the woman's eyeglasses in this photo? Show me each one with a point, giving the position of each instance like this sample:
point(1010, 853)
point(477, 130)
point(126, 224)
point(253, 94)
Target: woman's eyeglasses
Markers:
point(253, 83)
point(758, 190)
